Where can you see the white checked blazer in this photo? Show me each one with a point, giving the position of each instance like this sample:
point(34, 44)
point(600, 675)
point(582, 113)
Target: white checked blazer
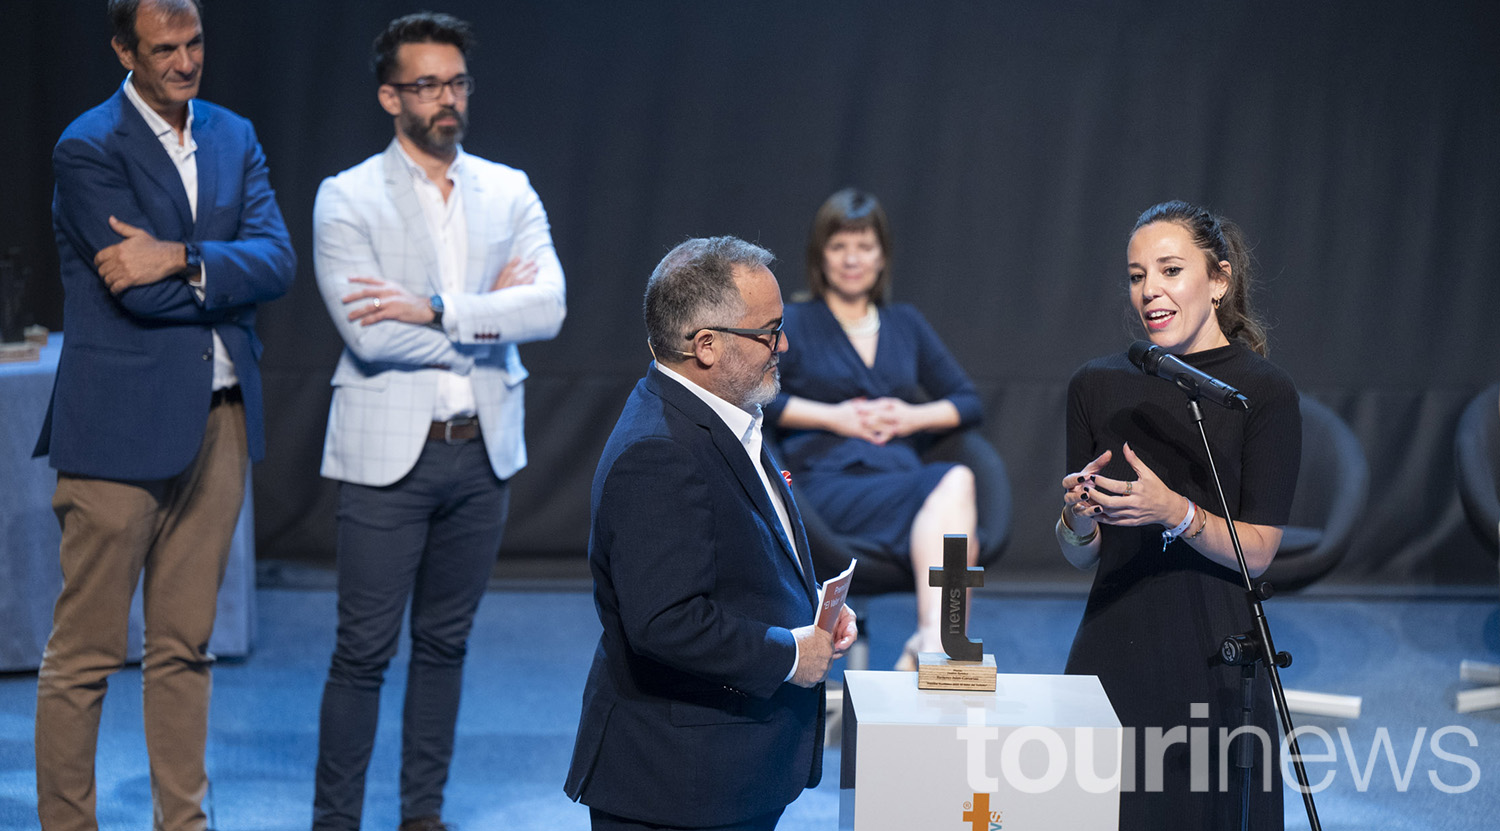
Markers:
point(367, 222)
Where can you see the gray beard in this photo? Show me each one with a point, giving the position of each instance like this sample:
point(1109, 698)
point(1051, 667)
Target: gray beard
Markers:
point(761, 393)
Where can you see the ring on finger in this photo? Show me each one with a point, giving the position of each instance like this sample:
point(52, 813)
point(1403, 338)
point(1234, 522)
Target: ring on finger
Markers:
point(377, 302)
point(1129, 487)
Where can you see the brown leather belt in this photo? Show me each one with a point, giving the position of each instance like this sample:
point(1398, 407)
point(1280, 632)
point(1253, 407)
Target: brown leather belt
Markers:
point(227, 395)
point(455, 430)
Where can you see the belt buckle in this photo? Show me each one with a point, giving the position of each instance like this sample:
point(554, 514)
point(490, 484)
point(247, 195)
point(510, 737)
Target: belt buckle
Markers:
point(448, 429)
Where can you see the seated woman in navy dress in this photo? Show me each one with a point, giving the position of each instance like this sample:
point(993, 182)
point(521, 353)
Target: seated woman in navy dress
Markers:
point(862, 383)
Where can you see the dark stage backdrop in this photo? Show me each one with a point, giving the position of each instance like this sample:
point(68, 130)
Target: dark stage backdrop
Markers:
point(1013, 143)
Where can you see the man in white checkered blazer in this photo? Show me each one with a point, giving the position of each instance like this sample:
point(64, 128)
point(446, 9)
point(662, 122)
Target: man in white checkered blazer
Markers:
point(434, 264)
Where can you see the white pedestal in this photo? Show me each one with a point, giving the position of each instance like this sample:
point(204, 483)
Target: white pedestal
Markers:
point(1040, 752)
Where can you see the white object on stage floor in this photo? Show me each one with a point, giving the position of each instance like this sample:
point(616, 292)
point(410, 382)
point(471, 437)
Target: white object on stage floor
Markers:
point(1039, 752)
point(1484, 698)
point(1323, 704)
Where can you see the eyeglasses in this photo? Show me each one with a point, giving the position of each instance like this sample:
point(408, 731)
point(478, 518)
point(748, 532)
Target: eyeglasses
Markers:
point(749, 333)
point(429, 91)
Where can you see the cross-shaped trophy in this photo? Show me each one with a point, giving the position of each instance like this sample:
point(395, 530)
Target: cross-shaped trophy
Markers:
point(962, 665)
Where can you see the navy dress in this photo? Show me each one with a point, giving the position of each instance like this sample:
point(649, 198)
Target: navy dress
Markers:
point(1154, 619)
point(861, 489)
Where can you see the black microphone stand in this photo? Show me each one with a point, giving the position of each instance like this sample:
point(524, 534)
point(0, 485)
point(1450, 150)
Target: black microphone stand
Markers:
point(1250, 649)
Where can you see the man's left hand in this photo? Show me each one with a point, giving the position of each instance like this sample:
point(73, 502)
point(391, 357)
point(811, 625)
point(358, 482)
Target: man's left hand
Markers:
point(387, 301)
point(137, 260)
point(515, 273)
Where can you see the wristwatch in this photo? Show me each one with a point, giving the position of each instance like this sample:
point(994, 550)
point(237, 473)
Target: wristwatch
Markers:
point(194, 257)
point(435, 303)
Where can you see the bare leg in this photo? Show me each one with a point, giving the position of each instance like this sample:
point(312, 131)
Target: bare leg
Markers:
point(949, 509)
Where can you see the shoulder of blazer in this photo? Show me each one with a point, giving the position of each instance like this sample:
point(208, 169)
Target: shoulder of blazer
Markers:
point(500, 186)
point(369, 174)
point(113, 115)
point(485, 170)
point(222, 122)
point(354, 188)
point(679, 398)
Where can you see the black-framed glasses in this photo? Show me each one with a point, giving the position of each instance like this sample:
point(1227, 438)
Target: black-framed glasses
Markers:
point(429, 91)
point(749, 333)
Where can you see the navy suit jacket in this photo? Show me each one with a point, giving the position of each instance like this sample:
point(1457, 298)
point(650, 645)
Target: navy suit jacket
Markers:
point(686, 719)
point(136, 371)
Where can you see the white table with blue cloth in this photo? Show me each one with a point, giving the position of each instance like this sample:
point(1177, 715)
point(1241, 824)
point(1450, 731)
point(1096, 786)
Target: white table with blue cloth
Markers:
point(30, 574)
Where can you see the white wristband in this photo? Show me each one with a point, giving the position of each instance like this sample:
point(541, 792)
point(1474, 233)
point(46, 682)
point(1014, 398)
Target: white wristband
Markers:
point(1174, 533)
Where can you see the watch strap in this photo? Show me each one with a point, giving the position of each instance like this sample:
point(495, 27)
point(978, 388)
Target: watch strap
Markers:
point(193, 259)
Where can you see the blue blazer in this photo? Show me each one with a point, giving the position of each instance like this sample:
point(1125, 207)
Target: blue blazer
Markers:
point(686, 719)
point(136, 371)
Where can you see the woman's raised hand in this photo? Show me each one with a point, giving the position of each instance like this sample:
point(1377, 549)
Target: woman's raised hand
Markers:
point(1140, 501)
point(1076, 487)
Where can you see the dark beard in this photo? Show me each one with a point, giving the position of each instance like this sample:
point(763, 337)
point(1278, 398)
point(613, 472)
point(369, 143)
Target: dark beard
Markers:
point(430, 138)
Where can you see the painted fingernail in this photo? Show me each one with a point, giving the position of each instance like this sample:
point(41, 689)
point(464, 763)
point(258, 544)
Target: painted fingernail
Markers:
point(1082, 479)
point(1098, 509)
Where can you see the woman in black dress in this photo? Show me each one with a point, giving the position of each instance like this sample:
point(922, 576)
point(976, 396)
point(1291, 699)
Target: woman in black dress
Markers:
point(1140, 503)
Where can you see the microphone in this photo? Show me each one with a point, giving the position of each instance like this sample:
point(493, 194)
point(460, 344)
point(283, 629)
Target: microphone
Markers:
point(1153, 360)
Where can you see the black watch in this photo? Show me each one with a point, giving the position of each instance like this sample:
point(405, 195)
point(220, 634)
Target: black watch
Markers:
point(194, 257)
point(435, 303)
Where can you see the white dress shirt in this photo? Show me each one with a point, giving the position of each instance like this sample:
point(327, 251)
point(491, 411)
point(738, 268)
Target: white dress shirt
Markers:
point(449, 229)
point(184, 156)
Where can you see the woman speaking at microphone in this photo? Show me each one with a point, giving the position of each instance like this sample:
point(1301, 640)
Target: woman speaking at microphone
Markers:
point(1140, 503)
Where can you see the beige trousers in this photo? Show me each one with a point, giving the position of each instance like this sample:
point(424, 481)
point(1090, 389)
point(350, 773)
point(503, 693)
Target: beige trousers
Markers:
point(177, 532)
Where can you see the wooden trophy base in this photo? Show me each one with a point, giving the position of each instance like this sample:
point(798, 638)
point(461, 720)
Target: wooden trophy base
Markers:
point(936, 671)
point(19, 352)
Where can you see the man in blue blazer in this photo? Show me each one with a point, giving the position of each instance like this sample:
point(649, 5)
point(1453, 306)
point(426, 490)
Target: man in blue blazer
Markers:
point(704, 705)
point(168, 235)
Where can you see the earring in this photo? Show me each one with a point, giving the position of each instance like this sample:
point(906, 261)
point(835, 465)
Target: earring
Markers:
point(1216, 302)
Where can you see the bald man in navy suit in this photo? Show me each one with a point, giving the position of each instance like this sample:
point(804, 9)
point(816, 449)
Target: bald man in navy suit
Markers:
point(704, 705)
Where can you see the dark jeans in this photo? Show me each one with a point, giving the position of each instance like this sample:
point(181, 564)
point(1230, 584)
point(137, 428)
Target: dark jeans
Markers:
point(432, 538)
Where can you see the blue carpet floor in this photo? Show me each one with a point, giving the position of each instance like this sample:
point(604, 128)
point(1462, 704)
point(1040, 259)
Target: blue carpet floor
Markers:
point(530, 652)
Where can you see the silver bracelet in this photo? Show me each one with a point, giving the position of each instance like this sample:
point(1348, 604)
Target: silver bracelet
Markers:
point(1070, 536)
